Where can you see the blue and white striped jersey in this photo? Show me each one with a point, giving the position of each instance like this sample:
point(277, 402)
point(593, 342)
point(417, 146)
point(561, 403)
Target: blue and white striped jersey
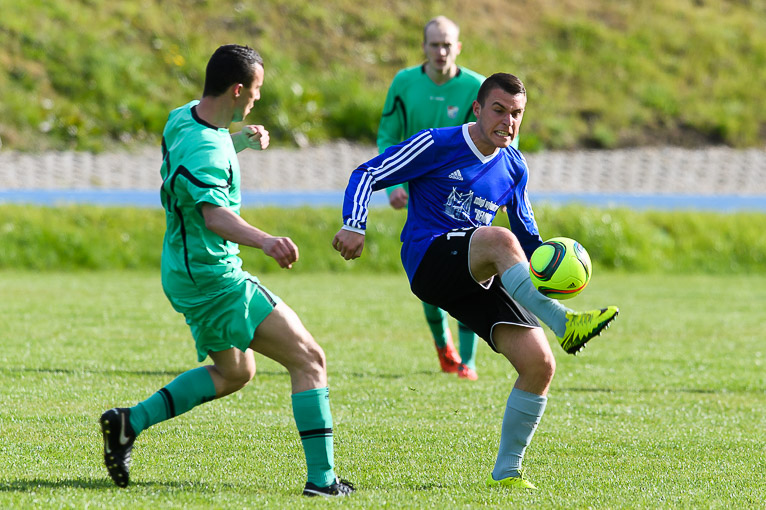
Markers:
point(452, 185)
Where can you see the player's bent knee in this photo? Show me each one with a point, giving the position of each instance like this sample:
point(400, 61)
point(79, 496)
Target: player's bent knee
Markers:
point(311, 364)
point(498, 237)
point(547, 367)
point(245, 376)
point(232, 369)
point(238, 378)
point(315, 360)
point(493, 250)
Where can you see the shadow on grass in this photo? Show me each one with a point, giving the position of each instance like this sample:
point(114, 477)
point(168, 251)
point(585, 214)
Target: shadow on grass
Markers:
point(649, 390)
point(111, 371)
point(35, 484)
point(174, 373)
point(429, 487)
point(94, 484)
point(381, 375)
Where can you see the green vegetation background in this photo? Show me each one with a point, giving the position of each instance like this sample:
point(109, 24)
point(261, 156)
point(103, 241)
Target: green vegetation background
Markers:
point(93, 237)
point(92, 74)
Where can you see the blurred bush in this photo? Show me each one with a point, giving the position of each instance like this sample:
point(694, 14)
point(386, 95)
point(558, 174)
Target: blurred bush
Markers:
point(93, 238)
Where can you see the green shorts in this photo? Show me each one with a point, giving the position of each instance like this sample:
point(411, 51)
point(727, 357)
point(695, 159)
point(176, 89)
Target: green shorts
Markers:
point(228, 319)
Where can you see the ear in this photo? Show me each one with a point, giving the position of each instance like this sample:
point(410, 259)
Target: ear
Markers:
point(237, 89)
point(458, 48)
point(476, 107)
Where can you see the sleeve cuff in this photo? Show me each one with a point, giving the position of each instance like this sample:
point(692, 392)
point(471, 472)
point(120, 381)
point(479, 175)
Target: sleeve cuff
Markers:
point(353, 229)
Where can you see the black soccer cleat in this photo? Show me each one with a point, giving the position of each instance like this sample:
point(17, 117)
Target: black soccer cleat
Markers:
point(118, 444)
point(339, 487)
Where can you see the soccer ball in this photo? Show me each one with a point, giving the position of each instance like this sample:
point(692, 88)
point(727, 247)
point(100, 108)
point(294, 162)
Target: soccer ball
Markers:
point(560, 268)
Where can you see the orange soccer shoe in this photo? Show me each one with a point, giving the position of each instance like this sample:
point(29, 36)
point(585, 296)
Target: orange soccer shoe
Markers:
point(449, 359)
point(466, 372)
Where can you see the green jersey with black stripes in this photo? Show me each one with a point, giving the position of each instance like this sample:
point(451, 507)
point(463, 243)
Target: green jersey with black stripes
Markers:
point(199, 166)
point(414, 102)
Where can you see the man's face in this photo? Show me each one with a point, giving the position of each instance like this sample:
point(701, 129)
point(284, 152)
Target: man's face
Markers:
point(499, 119)
point(441, 47)
point(248, 96)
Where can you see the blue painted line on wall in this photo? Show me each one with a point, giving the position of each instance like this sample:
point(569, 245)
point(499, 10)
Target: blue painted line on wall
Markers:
point(719, 203)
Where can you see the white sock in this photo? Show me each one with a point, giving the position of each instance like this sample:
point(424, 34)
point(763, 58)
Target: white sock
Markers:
point(522, 415)
point(518, 284)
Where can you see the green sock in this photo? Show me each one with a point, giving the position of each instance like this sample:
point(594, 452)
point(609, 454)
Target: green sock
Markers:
point(437, 321)
point(468, 341)
point(188, 390)
point(311, 410)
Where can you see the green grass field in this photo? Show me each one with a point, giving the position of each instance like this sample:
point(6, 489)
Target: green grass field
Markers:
point(665, 410)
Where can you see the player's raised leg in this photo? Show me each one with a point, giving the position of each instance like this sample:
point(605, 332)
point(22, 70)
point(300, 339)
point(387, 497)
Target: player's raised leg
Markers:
point(496, 251)
point(121, 426)
point(231, 371)
point(283, 338)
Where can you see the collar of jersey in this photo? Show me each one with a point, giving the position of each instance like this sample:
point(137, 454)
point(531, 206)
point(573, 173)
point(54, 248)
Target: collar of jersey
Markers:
point(476, 151)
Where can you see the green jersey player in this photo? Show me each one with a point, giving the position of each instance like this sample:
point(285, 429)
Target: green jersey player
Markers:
point(437, 93)
point(230, 313)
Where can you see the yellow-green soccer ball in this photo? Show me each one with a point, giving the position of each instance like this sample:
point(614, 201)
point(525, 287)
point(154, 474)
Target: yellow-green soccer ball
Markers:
point(560, 268)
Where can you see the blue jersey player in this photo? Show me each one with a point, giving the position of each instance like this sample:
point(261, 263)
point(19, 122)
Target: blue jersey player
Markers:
point(459, 177)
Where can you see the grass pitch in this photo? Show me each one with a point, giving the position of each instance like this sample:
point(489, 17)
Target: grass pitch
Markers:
point(666, 409)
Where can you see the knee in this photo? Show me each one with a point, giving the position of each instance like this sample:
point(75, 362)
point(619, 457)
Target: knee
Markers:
point(238, 377)
point(493, 250)
point(542, 370)
point(538, 370)
point(314, 359)
point(245, 375)
point(503, 240)
point(546, 367)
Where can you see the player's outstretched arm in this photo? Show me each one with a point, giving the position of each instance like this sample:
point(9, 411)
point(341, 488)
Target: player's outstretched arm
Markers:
point(349, 244)
point(253, 136)
point(232, 227)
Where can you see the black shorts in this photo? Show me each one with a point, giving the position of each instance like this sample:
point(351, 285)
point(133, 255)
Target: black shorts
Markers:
point(444, 279)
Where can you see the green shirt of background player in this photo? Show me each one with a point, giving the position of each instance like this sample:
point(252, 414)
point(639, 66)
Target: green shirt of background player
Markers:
point(437, 93)
point(230, 313)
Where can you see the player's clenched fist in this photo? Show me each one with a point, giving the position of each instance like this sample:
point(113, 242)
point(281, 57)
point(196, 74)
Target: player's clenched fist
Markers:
point(256, 136)
point(349, 244)
point(398, 198)
point(281, 249)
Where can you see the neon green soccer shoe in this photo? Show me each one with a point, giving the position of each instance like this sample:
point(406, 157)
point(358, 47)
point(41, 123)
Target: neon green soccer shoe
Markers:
point(512, 482)
point(582, 326)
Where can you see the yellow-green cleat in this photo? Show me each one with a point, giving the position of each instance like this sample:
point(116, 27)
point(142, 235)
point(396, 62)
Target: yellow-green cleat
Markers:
point(512, 482)
point(582, 326)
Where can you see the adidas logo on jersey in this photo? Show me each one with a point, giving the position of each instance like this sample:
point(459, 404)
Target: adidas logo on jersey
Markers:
point(456, 175)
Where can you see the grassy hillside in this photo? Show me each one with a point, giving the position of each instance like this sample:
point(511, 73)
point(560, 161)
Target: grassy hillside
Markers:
point(88, 74)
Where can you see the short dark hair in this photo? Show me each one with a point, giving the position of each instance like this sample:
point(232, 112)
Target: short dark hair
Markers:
point(505, 81)
point(229, 65)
